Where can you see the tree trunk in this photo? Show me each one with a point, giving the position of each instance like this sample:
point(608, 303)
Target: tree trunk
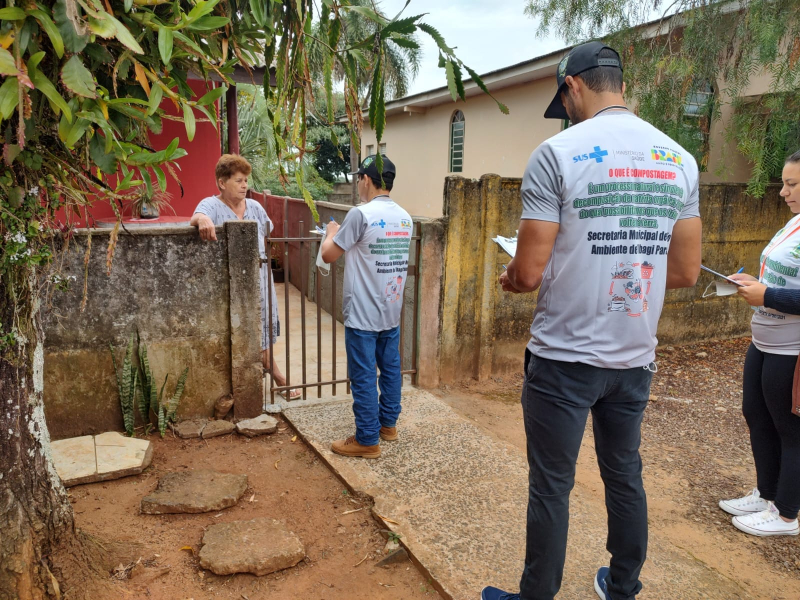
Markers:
point(232, 116)
point(354, 164)
point(36, 518)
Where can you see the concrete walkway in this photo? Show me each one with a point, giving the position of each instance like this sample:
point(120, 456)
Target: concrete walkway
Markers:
point(291, 331)
point(458, 499)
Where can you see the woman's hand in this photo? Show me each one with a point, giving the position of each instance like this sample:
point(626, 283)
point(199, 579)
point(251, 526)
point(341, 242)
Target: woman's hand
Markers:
point(207, 229)
point(752, 291)
point(742, 277)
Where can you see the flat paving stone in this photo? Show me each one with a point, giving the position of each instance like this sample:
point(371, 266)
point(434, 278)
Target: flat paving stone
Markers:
point(189, 429)
point(121, 456)
point(260, 547)
point(459, 497)
point(103, 457)
point(75, 459)
point(194, 492)
point(217, 428)
point(261, 425)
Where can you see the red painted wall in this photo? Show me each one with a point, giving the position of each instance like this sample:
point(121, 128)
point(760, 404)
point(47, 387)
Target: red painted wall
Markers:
point(196, 171)
point(197, 168)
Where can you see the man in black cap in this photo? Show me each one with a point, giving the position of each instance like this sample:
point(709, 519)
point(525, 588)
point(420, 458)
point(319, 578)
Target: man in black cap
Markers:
point(375, 239)
point(610, 221)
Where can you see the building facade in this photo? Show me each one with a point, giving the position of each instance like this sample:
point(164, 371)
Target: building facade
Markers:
point(428, 136)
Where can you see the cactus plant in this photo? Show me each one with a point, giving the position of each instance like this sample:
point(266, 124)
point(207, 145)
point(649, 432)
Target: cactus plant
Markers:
point(166, 409)
point(127, 386)
point(149, 396)
point(137, 390)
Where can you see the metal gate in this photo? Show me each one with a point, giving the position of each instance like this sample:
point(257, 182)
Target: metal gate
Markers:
point(308, 247)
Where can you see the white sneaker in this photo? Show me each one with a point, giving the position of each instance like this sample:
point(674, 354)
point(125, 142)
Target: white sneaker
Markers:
point(767, 522)
point(750, 504)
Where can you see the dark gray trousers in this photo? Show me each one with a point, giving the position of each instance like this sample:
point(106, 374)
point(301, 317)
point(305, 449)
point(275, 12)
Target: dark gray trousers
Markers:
point(556, 400)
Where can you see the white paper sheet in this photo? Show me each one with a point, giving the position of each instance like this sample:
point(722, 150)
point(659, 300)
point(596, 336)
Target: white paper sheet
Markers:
point(509, 245)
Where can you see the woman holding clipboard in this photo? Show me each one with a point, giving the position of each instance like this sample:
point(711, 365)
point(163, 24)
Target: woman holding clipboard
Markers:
point(772, 507)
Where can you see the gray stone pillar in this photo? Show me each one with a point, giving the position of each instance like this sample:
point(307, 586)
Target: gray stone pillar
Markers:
point(245, 315)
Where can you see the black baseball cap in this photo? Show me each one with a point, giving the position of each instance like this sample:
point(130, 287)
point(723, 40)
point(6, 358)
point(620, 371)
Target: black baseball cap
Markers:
point(369, 167)
point(580, 58)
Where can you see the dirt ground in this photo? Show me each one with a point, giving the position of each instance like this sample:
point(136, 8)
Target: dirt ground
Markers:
point(287, 482)
point(696, 450)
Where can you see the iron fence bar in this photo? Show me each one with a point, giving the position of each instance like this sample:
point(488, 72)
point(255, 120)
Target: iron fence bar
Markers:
point(319, 324)
point(283, 388)
point(303, 274)
point(333, 322)
point(286, 280)
point(296, 239)
point(270, 284)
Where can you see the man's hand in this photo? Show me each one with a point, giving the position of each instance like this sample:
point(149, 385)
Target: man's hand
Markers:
point(207, 229)
point(330, 251)
point(505, 283)
point(331, 229)
point(742, 277)
point(753, 292)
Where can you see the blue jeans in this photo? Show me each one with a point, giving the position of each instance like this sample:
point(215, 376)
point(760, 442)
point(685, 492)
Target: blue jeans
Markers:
point(556, 401)
point(365, 350)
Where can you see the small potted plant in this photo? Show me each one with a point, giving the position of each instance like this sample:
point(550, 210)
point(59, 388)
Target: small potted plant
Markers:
point(147, 203)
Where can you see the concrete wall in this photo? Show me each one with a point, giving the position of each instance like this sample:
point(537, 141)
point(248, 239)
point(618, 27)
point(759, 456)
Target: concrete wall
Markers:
point(193, 304)
point(470, 328)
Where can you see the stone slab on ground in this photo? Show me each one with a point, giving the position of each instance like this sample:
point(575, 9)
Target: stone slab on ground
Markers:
point(458, 497)
point(194, 492)
point(111, 455)
point(260, 425)
point(217, 428)
point(120, 455)
point(75, 460)
point(190, 429)
point(260, 547)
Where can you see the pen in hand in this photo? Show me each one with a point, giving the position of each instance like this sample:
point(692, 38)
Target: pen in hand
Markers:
point(740, 271)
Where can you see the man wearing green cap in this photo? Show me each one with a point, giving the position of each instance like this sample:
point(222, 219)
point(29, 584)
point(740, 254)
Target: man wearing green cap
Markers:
point(610, 221)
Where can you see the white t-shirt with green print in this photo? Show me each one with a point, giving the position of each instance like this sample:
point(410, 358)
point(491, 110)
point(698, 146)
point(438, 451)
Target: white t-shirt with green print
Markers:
point(616, 186)
point(775, 332)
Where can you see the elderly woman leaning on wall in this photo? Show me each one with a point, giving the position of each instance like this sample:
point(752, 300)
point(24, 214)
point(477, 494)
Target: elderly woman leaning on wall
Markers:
point(231, 204)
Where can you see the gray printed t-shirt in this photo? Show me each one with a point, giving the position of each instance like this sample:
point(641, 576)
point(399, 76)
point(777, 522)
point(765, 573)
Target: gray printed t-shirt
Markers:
point(375, 237)
point(616, 185)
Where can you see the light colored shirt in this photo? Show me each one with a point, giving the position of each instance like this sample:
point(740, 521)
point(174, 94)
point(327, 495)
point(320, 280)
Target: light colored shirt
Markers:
point(219, 212)
point(775, 332)
point(616, 185)
point(376, 238)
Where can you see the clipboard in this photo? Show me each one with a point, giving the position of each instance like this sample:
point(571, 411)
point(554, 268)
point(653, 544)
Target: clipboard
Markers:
point(728, 279)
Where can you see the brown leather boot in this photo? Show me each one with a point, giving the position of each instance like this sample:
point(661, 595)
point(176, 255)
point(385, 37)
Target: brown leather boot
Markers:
point(350, 447)
point(389, 434)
